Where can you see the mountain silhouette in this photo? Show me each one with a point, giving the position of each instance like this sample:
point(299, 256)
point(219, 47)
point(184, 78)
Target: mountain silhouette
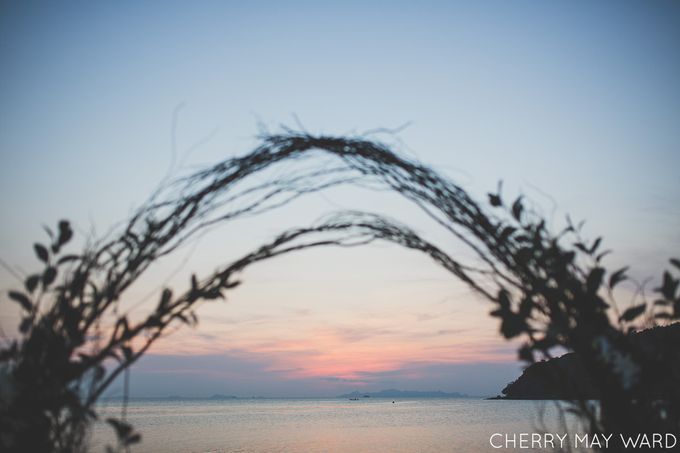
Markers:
point(393, 393)
point(566, 377)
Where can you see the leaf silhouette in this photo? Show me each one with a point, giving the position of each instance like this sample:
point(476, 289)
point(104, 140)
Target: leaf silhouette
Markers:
point(594, 280)
point(517, 208)
point(595, 245)
point(617, 277)
point(669, 286)
point(49, 276)
point(32, 282)
point(22, 300)
point(633, 312)
point(495, 200)
point(41, 252)
point(65, 232)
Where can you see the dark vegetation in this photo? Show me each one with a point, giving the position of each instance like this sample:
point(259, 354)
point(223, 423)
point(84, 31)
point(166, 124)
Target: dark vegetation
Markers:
point(548, 288)
point(566, 378)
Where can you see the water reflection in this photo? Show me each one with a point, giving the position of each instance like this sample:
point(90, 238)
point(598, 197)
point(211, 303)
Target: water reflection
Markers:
point(315, 425)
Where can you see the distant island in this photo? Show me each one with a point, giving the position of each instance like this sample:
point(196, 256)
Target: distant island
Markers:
point(216, 396)
point(566, 377)
point(393, 393)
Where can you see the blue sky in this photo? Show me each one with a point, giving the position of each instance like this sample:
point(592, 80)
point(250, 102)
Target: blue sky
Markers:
point(574, 104)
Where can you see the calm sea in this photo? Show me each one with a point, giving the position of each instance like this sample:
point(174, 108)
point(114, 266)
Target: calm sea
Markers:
point(326, 425)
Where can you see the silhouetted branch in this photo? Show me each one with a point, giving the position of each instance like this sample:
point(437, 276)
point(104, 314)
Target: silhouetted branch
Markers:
point(545, 287)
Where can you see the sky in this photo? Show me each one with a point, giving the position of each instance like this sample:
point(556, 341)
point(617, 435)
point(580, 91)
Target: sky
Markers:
point(573, 104)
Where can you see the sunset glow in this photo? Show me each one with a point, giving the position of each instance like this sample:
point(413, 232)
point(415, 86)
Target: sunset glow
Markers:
point(98, 106)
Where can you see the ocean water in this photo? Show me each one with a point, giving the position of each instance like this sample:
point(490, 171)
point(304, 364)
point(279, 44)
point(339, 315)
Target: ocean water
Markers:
point(326, 425)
